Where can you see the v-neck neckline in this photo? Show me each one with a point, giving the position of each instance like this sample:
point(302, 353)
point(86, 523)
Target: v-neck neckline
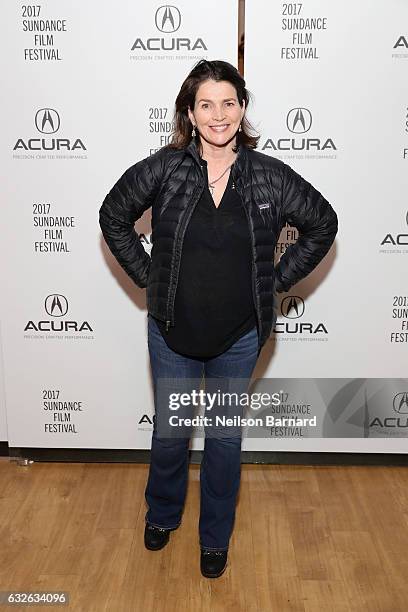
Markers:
point(227, 186)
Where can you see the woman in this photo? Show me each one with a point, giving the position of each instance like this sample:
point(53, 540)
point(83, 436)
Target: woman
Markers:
point(218, 207)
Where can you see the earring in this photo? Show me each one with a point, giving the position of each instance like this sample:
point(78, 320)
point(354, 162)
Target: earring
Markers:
point(193, 133)
point(240, 128)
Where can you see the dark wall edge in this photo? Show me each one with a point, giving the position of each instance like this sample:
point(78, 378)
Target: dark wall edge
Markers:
point(95, 455)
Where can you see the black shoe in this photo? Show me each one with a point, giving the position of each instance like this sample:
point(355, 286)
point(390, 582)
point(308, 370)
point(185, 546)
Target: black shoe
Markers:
point(155, 538)
point(213, 562)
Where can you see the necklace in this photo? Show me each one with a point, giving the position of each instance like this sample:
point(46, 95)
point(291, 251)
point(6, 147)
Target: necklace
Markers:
point(212, 184)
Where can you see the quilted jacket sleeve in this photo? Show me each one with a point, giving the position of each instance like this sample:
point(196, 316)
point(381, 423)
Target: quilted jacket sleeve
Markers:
point(128, 199)
point(305, 208)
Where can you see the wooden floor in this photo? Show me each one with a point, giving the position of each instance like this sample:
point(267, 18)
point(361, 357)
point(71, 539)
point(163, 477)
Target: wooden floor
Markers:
point(306, 539)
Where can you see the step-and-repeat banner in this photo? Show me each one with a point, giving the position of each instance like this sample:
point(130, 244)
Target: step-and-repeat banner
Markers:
point(331, 100)
point(90, 90)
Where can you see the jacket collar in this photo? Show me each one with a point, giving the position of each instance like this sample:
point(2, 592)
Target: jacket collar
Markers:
point(240, 161)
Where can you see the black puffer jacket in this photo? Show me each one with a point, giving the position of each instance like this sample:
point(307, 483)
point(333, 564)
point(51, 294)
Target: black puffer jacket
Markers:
point(171, 181)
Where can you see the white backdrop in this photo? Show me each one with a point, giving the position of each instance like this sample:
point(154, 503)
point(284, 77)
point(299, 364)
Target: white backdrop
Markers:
point(84, 102)
point(333, 105)
point(113, 99)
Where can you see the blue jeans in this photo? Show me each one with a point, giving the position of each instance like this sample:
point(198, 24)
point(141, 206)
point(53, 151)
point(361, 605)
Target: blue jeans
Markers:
point(220, 469)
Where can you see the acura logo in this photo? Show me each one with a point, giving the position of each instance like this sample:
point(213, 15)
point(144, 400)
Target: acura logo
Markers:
point(47, 121)
point(168, 18)
point(56, 305)
point(299, 120)
point(400, 403)
point(292, 307)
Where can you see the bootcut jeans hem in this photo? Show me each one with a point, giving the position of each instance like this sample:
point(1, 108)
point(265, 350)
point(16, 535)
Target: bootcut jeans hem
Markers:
point(161, 526)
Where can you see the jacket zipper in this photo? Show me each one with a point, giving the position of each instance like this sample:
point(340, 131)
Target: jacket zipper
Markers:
point(181, 232)
point(254, 293)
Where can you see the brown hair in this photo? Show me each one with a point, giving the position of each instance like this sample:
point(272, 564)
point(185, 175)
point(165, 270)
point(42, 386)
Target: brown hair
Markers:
point(216, 70)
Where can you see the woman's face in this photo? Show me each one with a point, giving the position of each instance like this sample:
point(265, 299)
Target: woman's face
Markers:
point(217, 113)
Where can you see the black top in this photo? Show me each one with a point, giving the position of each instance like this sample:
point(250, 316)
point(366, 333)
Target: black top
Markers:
point(214, 300)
